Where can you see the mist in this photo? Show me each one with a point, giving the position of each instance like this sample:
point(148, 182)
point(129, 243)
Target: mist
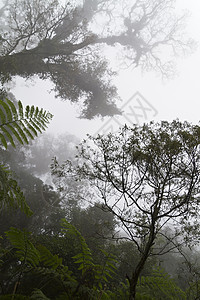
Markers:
point(99, 147)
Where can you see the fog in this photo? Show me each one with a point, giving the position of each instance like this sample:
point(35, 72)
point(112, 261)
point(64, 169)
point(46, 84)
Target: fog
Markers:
point(71, 215)
point(172, 98)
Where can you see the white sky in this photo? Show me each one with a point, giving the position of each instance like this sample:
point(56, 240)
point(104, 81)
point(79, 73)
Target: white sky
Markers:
point(177, 98)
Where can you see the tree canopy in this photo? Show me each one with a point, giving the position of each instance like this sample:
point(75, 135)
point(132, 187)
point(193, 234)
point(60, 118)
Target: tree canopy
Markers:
point(148, 177)
point(65, 43)
point(142, 183)
point(146, 181)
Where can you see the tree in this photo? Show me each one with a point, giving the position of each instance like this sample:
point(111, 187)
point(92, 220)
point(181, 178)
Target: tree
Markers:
point(96, 226)
point(64, 43)
point(148, 177)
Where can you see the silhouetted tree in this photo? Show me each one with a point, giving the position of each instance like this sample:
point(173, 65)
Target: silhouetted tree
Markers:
point(148, 177)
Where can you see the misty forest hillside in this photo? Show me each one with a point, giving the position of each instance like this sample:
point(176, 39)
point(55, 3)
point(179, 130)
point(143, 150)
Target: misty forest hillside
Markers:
point(113, 216)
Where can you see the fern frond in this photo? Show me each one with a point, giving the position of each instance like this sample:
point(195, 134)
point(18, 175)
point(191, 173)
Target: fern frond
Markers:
point(19, 125)
point(36, 125)
point(15, 133)
point(11, 195)
point(159, 284)
point(25, 250)
point(2, 116)
point(32, 111)
point(38, 295)
point(51, 265)
point(21, 132)
point(36, 112)
point(20, 110)
point(85, 257)
point(48, 259)
point(107, 269)
point(27, 111)
point(28, 128)
point(7, 110)
point(7, 135)
point(3, 140)
point(13, 108)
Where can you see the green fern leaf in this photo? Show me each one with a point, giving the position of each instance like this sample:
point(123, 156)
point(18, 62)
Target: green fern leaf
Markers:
point(14, 126)
point(48, 259)
point(15, 133)
point(38, 295)
point(21, 132)
point(41, 113)
point(36, 112)
point(20, 109)
point(3, 140)
point(8, 135)
point(107, 269)
point(32, 110)
point(29, 134)
point(30, 127)
point(2, 116)
point(27, 111)
point(13, 109)
point(25, 250)
point(159, 285)
point(41, 123)
point(26, 130)
point(37, 125)
point(7, 111)
point(11, 195)
point(85, 257)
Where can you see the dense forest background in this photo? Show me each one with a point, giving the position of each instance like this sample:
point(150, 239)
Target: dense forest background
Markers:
point(89, 256)
point(110, 217)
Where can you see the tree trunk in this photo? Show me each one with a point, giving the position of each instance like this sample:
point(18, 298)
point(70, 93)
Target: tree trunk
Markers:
point(135, 276)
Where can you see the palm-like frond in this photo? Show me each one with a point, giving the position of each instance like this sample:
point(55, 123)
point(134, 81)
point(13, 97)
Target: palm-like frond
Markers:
point(21, 124)
point(38, 295)
point(11, 195)
point(25, 250)
point(48, 259)
point(84, 258)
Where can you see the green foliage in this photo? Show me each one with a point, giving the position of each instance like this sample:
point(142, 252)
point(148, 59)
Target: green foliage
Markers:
point(193, 291)
point(38, 261)
point(93, 275)
point(158, 285)
point(38, 295)
point(34, 256)
point(21, 123)
point(147, 176)
point(106, 269)
point(10, 192)
point(84, 258)
point(25, 250)
point(48, 259)
point(121, 292)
